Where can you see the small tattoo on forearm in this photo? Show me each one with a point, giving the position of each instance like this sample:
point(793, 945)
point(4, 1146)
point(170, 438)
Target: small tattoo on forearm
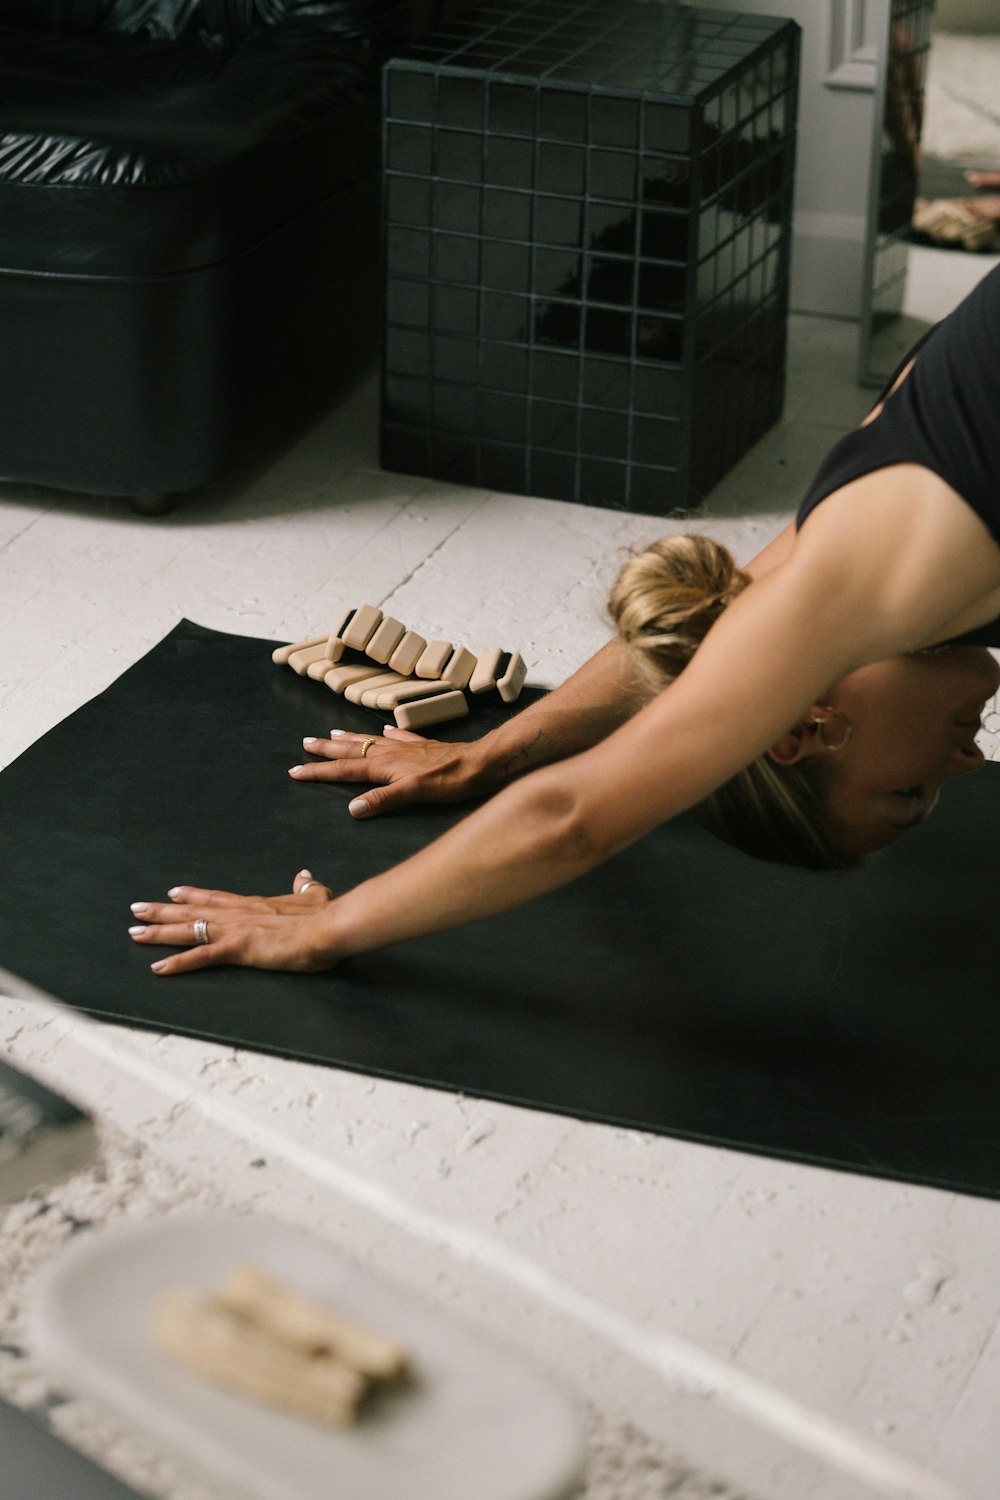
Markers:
point(509, 766)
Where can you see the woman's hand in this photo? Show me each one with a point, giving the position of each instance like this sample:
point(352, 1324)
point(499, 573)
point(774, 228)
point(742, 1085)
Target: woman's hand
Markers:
point(220, 927)
point(405, 768)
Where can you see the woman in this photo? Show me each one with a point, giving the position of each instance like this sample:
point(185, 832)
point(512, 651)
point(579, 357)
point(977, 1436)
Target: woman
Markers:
point(818, 718)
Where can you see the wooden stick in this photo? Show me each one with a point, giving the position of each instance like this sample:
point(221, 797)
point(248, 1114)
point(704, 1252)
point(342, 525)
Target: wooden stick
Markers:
point(228, 1350)
point(307, 1325)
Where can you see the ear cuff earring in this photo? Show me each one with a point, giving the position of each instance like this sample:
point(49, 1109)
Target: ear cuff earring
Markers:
point(823, 721)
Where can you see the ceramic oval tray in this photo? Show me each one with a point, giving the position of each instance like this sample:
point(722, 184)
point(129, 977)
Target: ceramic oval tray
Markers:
point(475, 1421)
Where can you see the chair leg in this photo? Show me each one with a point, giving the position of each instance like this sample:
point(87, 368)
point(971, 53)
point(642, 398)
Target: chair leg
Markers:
point(155, 504)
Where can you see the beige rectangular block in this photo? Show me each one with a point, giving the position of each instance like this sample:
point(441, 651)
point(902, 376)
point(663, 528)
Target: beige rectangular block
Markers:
point(373, 692)
point(459, 668)
point(334, 644)
point(408, 689)
point(357, 692)
point(434, 710)
point(318, 669)
point(484, 674)
point(339, 679)
point(385, 639)
point(511, 682)
point(361, 626)
point(407, 653)
point(434, 658)
point(281, 654)
point(300, 661)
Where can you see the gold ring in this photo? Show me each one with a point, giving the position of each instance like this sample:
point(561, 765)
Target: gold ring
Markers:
point(366, 747)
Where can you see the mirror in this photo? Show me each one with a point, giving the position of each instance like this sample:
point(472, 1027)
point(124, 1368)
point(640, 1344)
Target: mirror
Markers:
point(886, 331)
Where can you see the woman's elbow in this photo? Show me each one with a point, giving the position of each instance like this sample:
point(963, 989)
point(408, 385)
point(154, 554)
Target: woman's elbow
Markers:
point(567, 827)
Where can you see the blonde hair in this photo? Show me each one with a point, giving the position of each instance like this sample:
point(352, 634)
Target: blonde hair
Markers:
point(664, 602)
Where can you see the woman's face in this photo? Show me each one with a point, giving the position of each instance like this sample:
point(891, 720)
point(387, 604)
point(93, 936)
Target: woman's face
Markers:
point(914, 721)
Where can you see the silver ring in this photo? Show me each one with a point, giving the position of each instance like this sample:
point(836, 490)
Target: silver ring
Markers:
point(201, 930)
point(307, 885)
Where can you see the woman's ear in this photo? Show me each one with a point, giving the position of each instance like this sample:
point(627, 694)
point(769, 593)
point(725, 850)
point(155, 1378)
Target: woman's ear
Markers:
point(802, 740)
point(795, 745)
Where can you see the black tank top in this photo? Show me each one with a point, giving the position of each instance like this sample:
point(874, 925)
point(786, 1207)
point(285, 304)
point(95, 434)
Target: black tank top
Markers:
point(945, 416)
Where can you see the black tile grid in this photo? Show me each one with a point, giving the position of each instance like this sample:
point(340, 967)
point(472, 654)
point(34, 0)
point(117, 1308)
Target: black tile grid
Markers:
point(587, 211)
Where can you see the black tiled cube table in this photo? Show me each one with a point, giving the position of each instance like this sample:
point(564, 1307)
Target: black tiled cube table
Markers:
point(587, 220)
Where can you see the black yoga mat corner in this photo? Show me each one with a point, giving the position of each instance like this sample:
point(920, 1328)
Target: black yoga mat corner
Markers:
point(848, 1021)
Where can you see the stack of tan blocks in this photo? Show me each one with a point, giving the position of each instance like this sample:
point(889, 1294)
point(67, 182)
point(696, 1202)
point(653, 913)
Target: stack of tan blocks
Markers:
point(420, 682)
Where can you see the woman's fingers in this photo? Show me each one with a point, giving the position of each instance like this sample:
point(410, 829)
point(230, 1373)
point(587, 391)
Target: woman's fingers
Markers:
point(345, 757)
point(169, 934)
point(205, 957)
point(405, 734)
point(172, 922)
point(381, 799)
point(306, 884)
point(398, 767)
point(258, 932)
point(204, 896)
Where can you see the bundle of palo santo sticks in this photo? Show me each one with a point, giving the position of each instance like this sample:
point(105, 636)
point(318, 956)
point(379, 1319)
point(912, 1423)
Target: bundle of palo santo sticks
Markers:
point(256, 1336)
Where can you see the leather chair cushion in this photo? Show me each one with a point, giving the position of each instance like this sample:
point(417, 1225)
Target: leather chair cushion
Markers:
point(126, 156)
point(210, 20)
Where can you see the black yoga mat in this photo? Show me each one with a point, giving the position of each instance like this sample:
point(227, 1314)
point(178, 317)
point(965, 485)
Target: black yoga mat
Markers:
point(851, 1021)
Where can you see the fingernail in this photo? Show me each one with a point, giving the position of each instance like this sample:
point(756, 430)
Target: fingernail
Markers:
point(139, 907)
point(159, 966)
point(294, 770)
point(305, 875)
point(136, 931)
point(334, 733)
point(309, 739)
point(358, 808)
point(177, 890)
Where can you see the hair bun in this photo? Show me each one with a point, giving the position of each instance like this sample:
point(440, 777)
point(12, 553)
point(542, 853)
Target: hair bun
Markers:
point(667, 598)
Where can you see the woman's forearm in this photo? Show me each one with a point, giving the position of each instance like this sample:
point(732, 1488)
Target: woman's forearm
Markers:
point(592, 703)
point(528, 839)
point(585, 709)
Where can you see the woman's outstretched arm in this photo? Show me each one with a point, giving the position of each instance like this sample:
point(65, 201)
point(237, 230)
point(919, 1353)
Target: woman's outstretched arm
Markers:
point(407, 768)
point(591, 704)
point(555, 823)
point(882, 569)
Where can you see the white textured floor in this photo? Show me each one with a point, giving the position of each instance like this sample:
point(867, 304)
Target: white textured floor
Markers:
point(961, 118)
point(814, 1294)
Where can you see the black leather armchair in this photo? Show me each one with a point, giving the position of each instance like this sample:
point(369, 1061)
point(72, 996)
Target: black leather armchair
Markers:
point(188, 230)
